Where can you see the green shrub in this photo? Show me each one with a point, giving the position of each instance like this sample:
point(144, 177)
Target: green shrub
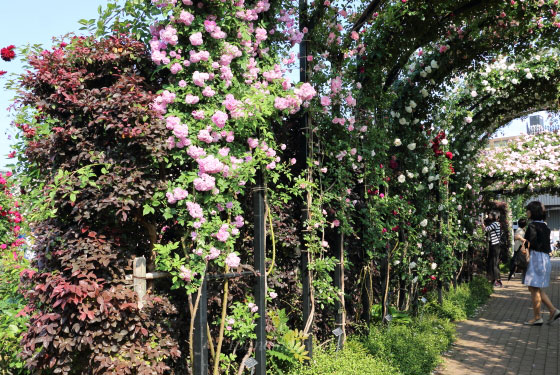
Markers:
point(461, 303)
point(351, 360)
point(12, 326)
point(413, 349)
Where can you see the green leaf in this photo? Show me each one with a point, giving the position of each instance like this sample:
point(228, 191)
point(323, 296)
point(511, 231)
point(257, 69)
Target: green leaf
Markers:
point(148, 210)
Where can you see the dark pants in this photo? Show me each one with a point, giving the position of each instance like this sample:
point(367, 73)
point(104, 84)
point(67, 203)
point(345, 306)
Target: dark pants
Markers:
point(493, 261)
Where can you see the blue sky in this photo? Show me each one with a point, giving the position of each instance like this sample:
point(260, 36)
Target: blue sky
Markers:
point(37, 21)
point(31, 22)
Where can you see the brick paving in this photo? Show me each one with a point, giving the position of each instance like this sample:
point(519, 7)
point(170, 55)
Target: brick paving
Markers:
point(497, 343)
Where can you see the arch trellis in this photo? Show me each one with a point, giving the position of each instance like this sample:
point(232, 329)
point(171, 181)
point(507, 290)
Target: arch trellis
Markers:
point(383, 150)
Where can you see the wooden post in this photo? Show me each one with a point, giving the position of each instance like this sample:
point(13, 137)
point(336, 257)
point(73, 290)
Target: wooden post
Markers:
point(139, 279)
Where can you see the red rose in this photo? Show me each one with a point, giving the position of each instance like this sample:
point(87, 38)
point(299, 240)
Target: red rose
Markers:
point(395, 228)
point(449, 155)
point(7, 53)
point(432, 277)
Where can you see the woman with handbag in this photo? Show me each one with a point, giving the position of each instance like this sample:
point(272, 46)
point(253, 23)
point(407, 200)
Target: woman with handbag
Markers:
point(518, 261)
point(537, 248)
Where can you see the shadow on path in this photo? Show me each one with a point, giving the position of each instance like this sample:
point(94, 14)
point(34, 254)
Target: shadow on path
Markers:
point(496, 342)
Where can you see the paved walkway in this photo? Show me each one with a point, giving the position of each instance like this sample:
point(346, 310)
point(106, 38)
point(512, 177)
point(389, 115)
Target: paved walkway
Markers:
point(497, 343)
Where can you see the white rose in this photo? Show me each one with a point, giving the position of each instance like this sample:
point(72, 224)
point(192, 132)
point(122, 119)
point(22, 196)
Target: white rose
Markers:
point(428, 69)
point(409, 174)
point(412, 104)
point(431, 186)
point(403, 121)
point(444, 141)
point(424, 222)
point(514, 81)
point(411, 146)
point(408, 109)
point(423, 74)
point(529, 76)
point(474, 94)
point(434, 266)
point(412, 264)
point(401, 178)
point(468, 120)
point(397, 262)
point(434, 64)
point(424, 92)
point(397, 142)
point(425, 170)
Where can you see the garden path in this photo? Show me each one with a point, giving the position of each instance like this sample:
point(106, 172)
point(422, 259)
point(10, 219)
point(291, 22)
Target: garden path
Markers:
point(497, 343)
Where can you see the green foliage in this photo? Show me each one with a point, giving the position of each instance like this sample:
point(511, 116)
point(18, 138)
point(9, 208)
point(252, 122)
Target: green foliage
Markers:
point(288, 350)
point(351, 360)
point(397, 317)
point(12, 324)
point(414, 349)
point(461, 303)
point(241, 322)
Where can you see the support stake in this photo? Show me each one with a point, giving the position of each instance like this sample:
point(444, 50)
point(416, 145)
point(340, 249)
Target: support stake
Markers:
point(200, 336)
point(260, 284)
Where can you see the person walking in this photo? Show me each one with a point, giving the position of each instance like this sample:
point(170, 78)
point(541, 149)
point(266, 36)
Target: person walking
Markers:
point(537, 243)
point(518, 261)
point(494, 232)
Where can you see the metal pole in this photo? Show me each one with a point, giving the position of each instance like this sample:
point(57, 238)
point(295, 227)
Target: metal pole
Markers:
point(260, 284)
point(338, 248)
point(200, 345)
point(306, 300)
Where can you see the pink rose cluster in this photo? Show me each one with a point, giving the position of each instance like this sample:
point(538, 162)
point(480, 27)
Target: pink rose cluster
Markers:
point(223, 233)
point(219, 119)
point(290, 103)
point(210, 164)
point(186, 18)
point(214, 30)
point(177, 195)
point(253, 14)
point(204, 182)
point(195, 57)
point(186, 274)
point(195, 210)
point(239, 221)
point(251, 71)
point(276, 73)
point(233, 106)
point(232, 260)
point(195, 152)
point(160, 102)
point(214, 253)
point(305, 92)
point(200, 79)
point(196, 39)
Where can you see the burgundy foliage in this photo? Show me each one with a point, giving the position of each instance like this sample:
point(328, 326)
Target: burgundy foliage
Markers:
point(93, 116)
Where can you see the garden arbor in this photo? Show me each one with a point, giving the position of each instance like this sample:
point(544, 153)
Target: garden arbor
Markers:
point(366, 165)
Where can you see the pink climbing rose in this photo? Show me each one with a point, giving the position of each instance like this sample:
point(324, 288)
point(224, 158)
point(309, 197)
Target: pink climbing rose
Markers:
point(219, 118)
point(233, 260)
